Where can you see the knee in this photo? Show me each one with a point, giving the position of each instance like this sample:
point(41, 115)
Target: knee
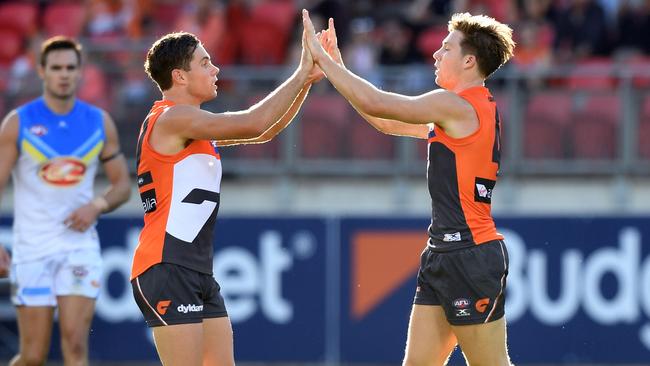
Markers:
point(74, 346)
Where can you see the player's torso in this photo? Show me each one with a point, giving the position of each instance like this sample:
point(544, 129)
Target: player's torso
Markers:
point(180, 198)
point(54, 174)
point(461, 175)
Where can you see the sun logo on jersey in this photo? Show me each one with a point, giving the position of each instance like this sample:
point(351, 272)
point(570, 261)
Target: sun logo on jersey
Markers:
point(38, 130)
point(64, 172)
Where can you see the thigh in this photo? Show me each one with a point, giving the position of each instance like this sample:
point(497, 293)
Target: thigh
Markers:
point(483, 344)
point(79, 274)
point(180, 344)
point(75, 317)
point(218, 342)
point(430, 339)
point(35, 329)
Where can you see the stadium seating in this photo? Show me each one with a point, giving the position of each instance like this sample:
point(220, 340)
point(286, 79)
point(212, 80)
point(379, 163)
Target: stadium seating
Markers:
point(19, 16)
point(546, 120)
point(324, 126)
point(64, 19)
point(644, 129)
point(594, 129)
point(365, 142)
point(12, 45)
point(593, 74)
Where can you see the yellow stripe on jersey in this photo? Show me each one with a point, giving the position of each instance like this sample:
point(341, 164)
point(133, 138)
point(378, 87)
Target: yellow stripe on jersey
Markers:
point(33, 151)
point(93, 152)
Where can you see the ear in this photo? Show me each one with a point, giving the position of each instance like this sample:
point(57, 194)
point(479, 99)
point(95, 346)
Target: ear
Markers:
point(178, 77)
point(469, 61)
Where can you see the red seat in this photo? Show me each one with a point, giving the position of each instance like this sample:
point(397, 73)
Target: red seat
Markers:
point(323, 126)
point(12, 45)
point(281, 13)
point(19, 16)
point(365, 142)
point(66, 19)
point(594, 128)
point(644, 129)
point(262, 43)
point(545, 122)
point(594, 73)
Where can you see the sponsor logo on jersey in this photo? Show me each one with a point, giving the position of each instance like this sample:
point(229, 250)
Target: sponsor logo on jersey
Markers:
point(148, 200)
point(65, 171)
point(38, 130)
point(483, 190)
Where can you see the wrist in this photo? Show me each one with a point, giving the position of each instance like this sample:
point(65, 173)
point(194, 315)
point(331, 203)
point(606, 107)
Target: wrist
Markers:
point(100, 204)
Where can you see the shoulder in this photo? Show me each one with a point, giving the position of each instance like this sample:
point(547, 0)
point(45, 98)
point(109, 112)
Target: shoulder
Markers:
point(10, 124)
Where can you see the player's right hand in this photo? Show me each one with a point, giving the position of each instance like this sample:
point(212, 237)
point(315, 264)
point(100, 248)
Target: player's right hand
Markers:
point(5, 262)
point(329, 41)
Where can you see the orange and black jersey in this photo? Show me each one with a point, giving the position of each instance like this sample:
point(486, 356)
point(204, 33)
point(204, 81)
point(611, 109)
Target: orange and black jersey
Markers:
point(180, 198)
point(461, 175)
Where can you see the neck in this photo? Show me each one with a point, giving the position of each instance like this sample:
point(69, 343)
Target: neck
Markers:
point(463, 85)
point(181, 97)
point(59, 105)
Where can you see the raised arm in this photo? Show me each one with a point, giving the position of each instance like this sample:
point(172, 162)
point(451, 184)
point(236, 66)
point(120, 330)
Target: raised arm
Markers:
point(190, 123)
point(329, 41)
point(439, 106)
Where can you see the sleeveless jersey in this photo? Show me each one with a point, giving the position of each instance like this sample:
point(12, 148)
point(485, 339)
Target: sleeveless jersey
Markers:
point(54, 175)
point(180, 198)
point(461, 175)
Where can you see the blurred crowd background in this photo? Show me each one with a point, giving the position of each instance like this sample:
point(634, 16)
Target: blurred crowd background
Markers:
point(575, 99)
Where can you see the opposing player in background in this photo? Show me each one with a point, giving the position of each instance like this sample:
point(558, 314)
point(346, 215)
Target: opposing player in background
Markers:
point(179, 177)
point(54, 145)
point(462, 277)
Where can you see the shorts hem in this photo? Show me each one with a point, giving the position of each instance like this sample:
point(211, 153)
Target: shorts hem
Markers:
point(476, 321)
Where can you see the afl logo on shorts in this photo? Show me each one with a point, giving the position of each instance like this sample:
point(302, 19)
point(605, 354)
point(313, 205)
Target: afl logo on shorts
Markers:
point(63, 171)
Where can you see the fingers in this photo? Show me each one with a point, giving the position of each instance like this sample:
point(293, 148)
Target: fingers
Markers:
point(306, 22)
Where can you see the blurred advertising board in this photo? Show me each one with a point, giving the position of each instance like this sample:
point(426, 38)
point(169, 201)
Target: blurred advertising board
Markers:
point(323, 289)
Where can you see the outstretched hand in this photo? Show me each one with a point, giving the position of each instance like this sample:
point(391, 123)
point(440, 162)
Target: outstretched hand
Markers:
point(329, 41)
point(310, 39)
point(5, 262)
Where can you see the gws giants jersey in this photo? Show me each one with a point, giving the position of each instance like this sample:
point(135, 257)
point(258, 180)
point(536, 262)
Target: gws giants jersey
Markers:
point(461, 175)
point(54, 175)
point(180, 198)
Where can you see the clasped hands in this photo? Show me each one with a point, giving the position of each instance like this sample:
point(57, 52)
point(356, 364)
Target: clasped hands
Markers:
point(318, 47)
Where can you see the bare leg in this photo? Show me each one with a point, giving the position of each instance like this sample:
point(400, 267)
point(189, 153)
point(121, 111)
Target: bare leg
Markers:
point(217, 342)
point(484, 344)
point(35, 329)
point(75, 317)
point(430, 339)
point(179, 345)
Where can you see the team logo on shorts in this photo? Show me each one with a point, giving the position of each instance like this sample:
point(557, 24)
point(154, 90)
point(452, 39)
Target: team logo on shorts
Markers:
point(79, 271)
point(462, 307)
point(482, 304)
point(66, 171)
point(162, 306)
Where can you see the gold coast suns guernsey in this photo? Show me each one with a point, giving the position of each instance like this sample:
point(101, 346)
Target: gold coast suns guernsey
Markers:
point(461, 175)
point(180, 198)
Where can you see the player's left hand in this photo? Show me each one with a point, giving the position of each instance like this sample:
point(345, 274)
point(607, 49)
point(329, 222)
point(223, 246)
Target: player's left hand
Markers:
point(83, 217)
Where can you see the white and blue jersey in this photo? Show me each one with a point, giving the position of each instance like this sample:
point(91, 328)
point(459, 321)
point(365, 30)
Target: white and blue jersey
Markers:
point(54, 175)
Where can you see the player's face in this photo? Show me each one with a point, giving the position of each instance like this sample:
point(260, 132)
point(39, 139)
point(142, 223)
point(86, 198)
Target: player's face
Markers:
point(202, 77)
point(61, 73)
point(449, 60)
